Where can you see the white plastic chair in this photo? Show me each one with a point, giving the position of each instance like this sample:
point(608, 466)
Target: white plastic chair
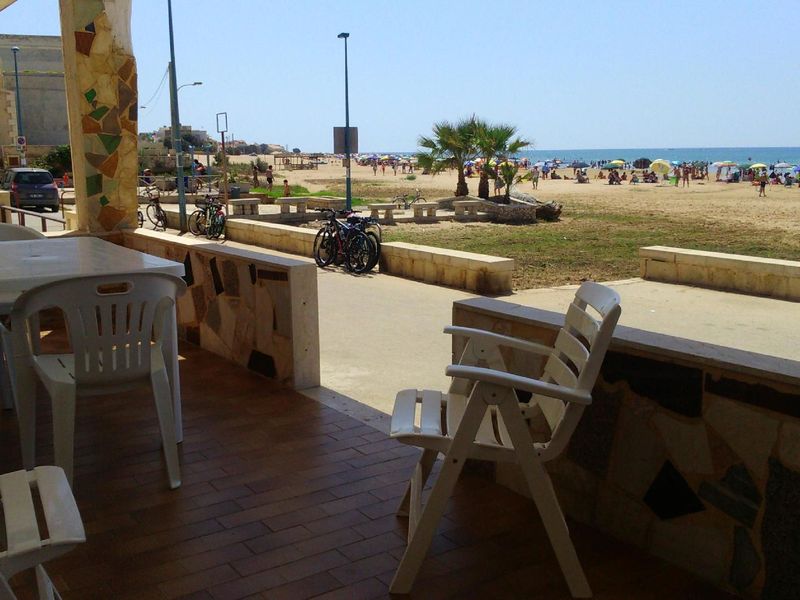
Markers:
point(16, 233)
point(115, 326)
point(11, 233)
point(25, 545)
point(481, 418)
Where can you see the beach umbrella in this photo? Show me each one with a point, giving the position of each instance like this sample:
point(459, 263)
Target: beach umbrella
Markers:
point(616, 163)
point(641, 163)
point(539, 163)
point(743, 166)
point(660, 166)
point(782, 165)
point(758, 166)
point(609, 166)
point(579, 164)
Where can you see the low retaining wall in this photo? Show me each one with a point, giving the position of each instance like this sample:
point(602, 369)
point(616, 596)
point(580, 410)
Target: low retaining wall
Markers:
point(477, 273)
point(690, 451)
point(732, 272)
point(255, 308)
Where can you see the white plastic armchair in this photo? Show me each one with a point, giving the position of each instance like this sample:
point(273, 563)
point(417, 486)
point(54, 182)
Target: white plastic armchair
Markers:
point(25, 546)
point(482, 418)
point(115, 326)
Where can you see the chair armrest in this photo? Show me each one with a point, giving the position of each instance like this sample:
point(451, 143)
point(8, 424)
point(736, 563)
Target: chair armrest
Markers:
point(499, 339)
point(521, 383)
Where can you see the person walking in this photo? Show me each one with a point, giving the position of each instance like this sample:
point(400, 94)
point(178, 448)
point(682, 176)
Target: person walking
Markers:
point(762, 184)
point(286, 190)
point(374, 167)
point(686, 171)
point(270, 176)
point(535, 177)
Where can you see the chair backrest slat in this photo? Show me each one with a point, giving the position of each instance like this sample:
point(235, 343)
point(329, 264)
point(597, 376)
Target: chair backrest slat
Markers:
point(580, 323)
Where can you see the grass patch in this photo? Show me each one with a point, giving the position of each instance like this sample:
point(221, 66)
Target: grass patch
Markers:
point(592, 244)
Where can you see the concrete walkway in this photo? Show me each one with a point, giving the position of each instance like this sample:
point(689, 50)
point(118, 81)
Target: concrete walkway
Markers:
point(380, 334)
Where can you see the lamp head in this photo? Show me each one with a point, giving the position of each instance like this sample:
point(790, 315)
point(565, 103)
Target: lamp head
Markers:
point(15, 49)
point(343, 35)
point(198, 83)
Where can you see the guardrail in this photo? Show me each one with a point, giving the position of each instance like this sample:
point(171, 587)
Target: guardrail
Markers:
point(7, 213)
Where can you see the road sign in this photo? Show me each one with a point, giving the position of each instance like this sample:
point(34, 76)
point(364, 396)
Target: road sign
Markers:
point(21, 143)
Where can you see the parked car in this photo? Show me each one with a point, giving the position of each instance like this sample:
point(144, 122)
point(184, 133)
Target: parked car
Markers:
point(31, 187)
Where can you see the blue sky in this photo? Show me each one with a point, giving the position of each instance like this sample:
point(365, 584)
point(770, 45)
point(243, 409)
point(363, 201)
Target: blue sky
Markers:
point(621, 74)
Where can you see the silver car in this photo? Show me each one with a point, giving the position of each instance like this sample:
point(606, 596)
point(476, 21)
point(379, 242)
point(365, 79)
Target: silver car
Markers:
point(31, 187)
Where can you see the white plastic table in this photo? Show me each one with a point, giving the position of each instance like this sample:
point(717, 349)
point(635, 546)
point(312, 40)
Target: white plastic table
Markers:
point(30, 263)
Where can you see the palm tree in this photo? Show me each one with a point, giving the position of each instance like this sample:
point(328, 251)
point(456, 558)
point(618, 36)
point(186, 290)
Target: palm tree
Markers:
point(495, 142)
point(450, 146)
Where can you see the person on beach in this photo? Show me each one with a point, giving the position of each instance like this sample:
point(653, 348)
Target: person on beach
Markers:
point(676, 173)
point(762, 184)
point(686, 171)
point(498, 184)
point(269, 178)
point(535, 177)
point(286, 191)
point(374, 167)
point(383, 167)
point(394, 167)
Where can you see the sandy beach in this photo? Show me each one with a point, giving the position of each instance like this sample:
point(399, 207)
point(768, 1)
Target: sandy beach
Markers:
point(704, 201)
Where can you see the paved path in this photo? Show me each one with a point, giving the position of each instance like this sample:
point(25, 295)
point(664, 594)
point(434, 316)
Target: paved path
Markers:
point(380, 334)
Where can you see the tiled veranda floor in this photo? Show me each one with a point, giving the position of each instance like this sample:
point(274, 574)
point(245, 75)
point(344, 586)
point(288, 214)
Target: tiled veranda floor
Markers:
point(283, 497)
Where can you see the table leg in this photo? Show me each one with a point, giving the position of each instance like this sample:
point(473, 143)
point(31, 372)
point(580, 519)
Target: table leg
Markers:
point(173, 371)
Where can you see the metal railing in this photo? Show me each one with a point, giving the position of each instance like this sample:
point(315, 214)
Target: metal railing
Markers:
point(7, 216)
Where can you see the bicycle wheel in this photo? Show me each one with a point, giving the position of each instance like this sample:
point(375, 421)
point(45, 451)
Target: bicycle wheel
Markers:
point(324, 247)
point(140, 218)
point(152, 213)
point(359, 252)
point(197, 222)
point(376, 247)
point(216, 226)
point(161, 218)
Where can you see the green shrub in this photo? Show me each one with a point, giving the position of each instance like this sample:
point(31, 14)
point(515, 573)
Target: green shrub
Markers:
point(411, 177)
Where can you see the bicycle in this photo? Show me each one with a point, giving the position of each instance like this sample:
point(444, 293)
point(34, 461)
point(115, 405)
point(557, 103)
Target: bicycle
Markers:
point(155, 214)
point(406, 200)
point(208, 219)
point(346, 243)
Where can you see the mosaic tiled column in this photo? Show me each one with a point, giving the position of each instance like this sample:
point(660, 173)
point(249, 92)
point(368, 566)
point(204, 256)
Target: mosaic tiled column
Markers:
point(100, 73)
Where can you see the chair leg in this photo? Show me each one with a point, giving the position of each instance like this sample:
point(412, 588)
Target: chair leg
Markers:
point(24, 385)
point(6, 593)
point(426, 462)
point(64, 429)
point(541, 488)
point(166, 421)
point(6, 369)
point(454, 460)
point(47, 591)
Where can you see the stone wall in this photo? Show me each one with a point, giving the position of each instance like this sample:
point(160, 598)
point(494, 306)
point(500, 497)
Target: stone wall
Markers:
point(689, 450)
point(255, 308)
point(731, 272)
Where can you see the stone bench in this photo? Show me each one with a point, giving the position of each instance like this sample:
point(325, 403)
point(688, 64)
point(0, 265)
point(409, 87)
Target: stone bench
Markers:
point(467, 207)
point(286, 203)
point(244, 206)
point(733, 272)
point(428, 207)
point(388, 211)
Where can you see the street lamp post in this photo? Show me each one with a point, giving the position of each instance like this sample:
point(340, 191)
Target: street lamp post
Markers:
point(15, 50)
point(348, 188)
point(176, 122)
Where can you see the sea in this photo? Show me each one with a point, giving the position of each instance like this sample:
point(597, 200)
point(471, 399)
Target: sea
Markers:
point(766, 155)
point(769, 155)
